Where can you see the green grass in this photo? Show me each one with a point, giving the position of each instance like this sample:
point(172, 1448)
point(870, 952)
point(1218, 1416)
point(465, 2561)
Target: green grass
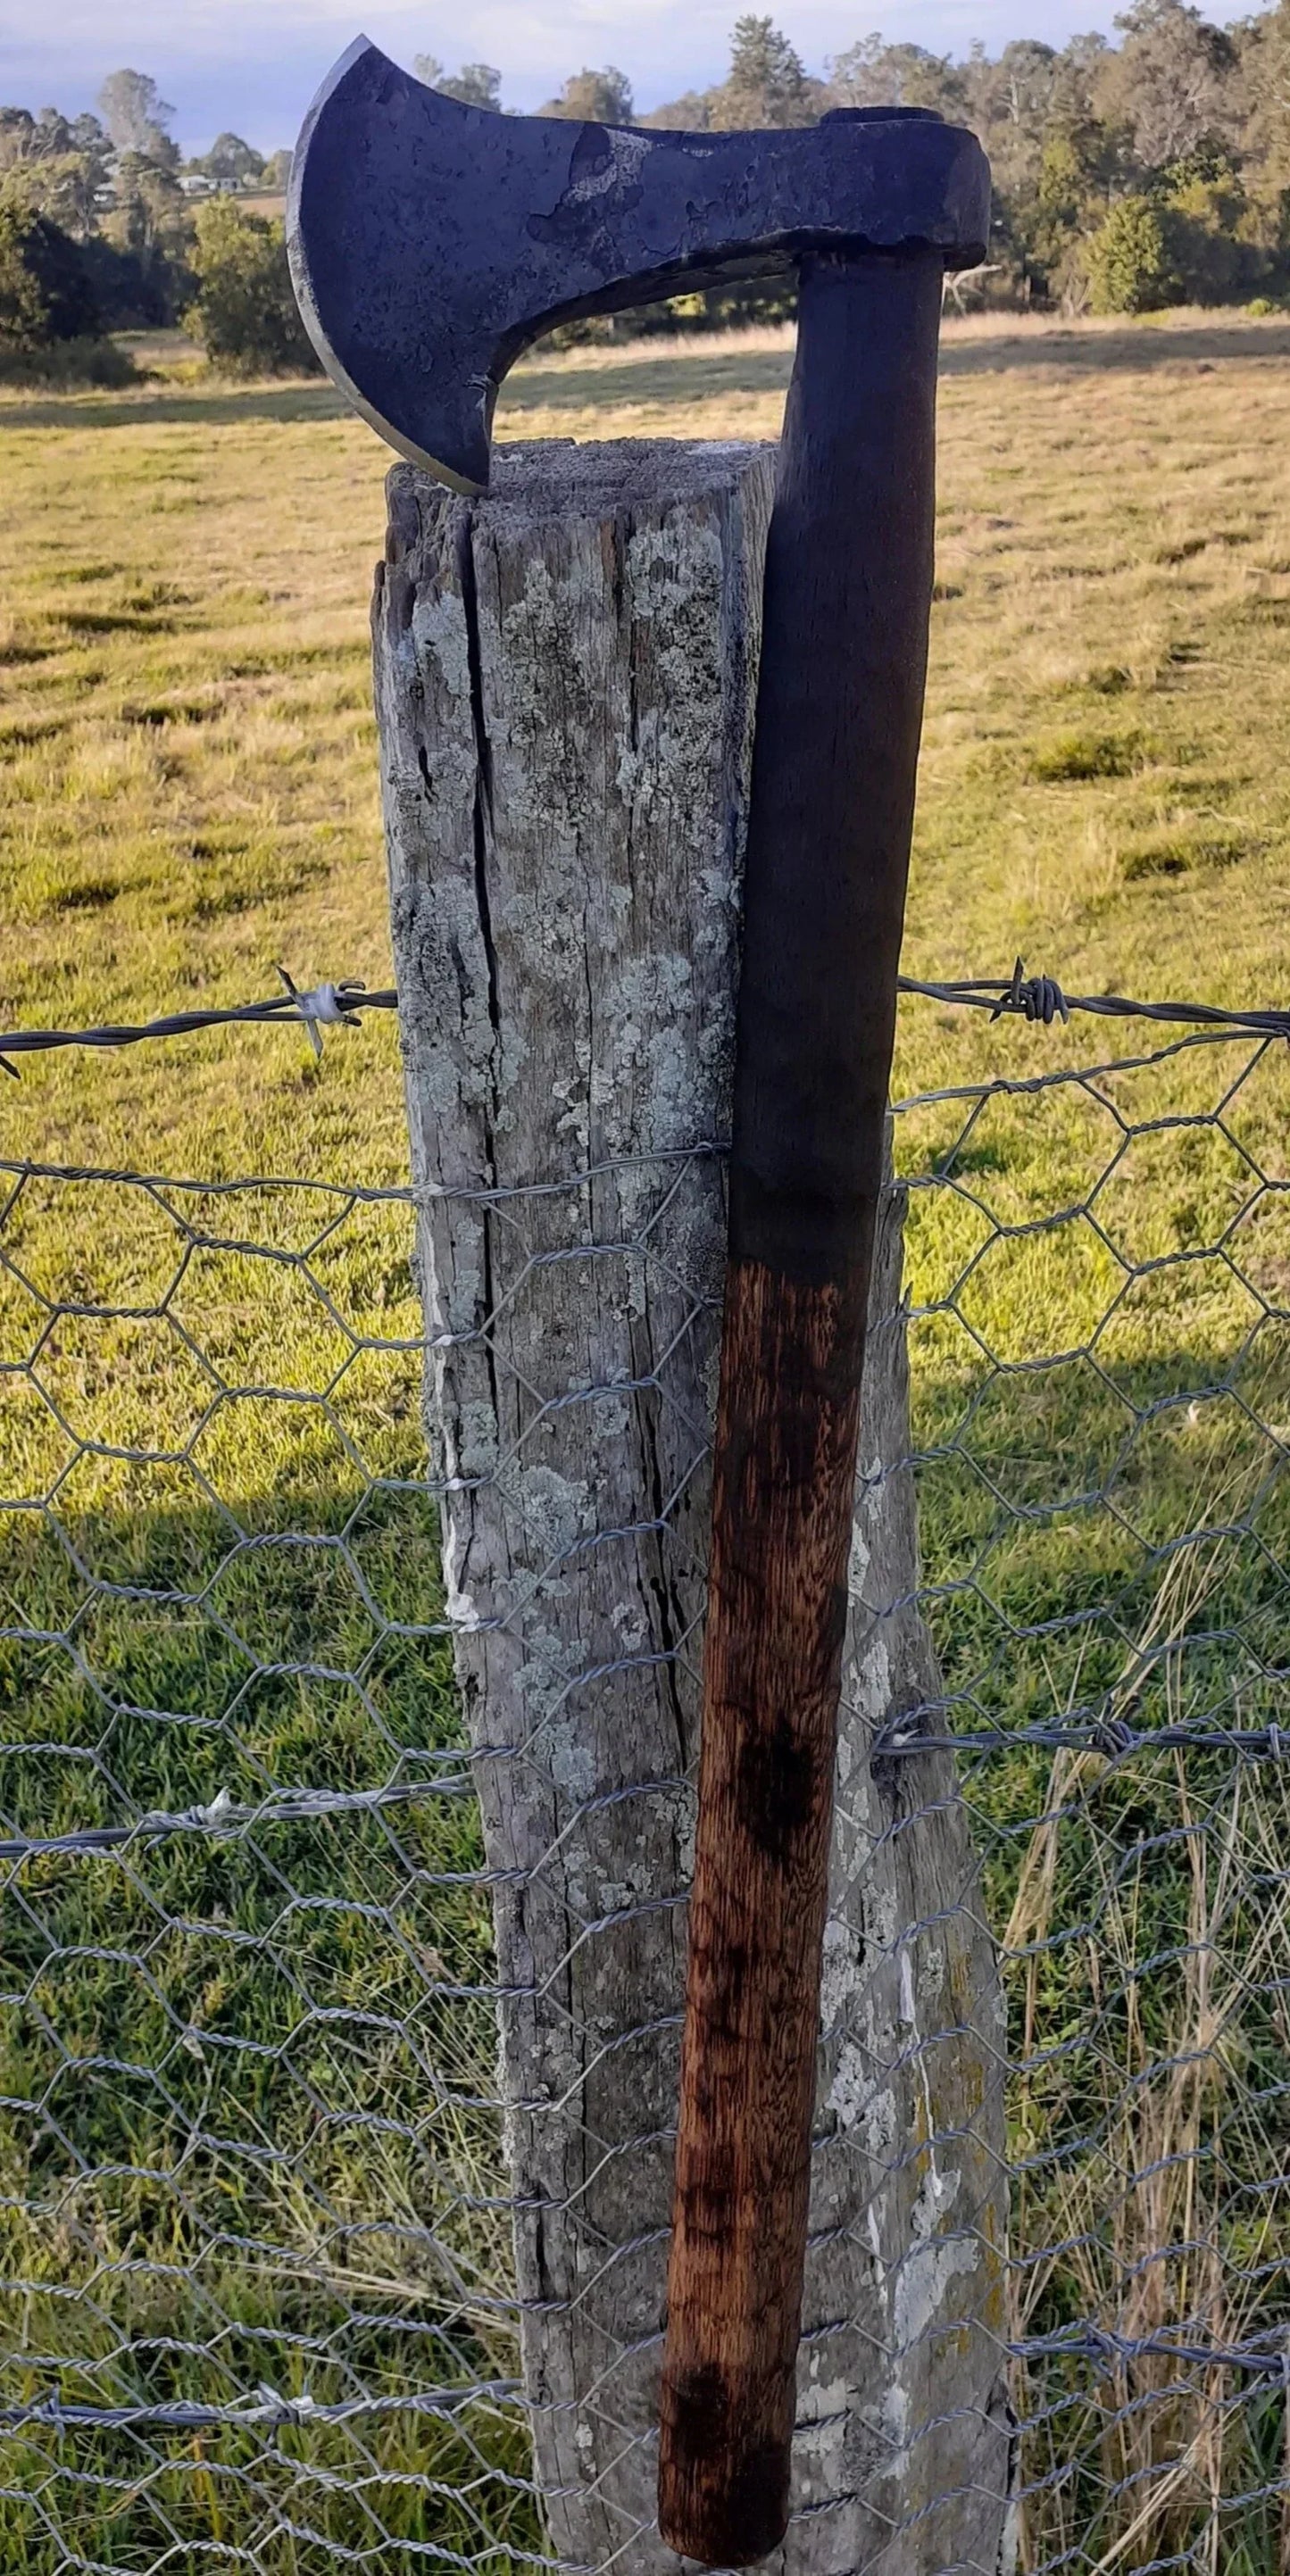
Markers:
point(216, 2055)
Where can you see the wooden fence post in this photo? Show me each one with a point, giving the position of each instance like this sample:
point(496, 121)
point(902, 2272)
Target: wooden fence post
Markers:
point(565, 675)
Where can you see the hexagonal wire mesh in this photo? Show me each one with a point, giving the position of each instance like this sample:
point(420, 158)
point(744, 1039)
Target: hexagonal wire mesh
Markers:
point(257, 2291)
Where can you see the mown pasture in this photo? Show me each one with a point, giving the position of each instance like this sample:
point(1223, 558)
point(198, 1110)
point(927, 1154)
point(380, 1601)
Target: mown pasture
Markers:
point(215, 2054)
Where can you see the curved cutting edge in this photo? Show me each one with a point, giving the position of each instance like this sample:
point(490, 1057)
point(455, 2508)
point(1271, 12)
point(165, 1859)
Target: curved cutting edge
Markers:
point(302, 280)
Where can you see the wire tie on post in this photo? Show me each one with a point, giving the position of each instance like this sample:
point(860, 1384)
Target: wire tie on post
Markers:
point(330, 1005)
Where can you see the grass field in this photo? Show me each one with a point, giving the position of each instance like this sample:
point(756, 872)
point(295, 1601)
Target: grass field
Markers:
point(188, 743)
point(207, 2058)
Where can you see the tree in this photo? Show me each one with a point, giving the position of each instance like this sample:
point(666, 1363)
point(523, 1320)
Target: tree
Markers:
point(138, 118)
point(1172, 80)
point(244, 313)
point(1047, 226)
point(277, 172)
point(1206, 229)
point(23, 312)
point(1263, 91)
point(133, 293)
point(689, 114)
point(476, 84)
point(45, 294)
point(65, 164)
point(1128, 263)
point(1078, 76)
point(150, 214)
point(594, 98)
point(873, 73)
point(147, 230)
point(766, 83)
point(1011, 107)
point(230, 162)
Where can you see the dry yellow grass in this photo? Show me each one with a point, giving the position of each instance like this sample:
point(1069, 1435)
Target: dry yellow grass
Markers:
point(189, 793)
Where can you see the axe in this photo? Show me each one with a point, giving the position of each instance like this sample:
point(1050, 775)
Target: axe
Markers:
point(430, 244)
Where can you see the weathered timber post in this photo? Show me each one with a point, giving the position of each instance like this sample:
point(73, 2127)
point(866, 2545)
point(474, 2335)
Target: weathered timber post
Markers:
point(566, 672)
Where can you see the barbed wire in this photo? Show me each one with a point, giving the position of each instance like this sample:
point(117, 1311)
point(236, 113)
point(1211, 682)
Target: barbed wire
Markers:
point(266, 2407)
point(1110, 2351)
point(1114, 1739)
point(1040, 1000)
point(271, 2409)
point(223, 1814)
point(326, 1005)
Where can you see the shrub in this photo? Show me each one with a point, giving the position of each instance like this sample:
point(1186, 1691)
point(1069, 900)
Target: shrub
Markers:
point(67, 365)
point(245, 313)
point(1128, 259)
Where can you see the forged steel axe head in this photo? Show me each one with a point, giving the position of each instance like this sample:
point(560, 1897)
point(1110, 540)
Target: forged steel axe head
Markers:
point(430, 243)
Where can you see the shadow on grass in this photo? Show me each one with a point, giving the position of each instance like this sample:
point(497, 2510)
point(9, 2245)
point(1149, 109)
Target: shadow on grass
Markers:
point(695, 373)
point(1135, 351)
point(679, 375)
point(687, 373)
point(214, 407)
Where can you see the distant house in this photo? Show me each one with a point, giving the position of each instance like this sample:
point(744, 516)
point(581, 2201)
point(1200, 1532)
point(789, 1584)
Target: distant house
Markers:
point(198, 183)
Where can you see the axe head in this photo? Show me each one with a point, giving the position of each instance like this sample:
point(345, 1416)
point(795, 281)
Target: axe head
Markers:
point(430, 243)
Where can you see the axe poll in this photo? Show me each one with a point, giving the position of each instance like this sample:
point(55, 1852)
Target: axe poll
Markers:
point(430, 244)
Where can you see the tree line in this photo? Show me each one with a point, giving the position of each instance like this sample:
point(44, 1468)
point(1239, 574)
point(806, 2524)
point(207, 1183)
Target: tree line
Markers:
point(1128, 175)
point(99, 234)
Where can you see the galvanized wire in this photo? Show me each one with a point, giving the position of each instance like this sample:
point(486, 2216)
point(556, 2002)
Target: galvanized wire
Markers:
point(257, 2298)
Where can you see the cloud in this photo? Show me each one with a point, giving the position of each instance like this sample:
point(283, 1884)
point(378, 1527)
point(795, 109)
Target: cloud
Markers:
point(254, 64)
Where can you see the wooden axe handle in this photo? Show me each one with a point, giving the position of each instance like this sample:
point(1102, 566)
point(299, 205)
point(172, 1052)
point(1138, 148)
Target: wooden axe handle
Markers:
point(844, 651)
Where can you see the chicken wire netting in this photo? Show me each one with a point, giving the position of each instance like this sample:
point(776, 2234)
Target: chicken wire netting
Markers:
point(257, 2287)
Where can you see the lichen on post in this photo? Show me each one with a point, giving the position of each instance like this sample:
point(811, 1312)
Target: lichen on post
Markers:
point(565, 683)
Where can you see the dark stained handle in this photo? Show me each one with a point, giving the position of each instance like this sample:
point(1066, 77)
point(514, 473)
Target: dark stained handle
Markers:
point(844, 651)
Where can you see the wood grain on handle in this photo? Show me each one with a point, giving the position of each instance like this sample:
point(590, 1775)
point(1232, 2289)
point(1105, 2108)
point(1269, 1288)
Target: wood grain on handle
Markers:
point(785, 1461)
point(839, 708)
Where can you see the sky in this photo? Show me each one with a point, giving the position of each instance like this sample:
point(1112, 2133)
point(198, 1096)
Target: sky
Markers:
point(253, 65)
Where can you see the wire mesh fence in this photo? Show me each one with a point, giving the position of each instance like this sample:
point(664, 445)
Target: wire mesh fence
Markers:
point(258, 2297)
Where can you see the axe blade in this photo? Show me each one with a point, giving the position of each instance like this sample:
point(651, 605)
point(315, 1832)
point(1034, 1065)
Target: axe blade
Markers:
point(431, 243)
